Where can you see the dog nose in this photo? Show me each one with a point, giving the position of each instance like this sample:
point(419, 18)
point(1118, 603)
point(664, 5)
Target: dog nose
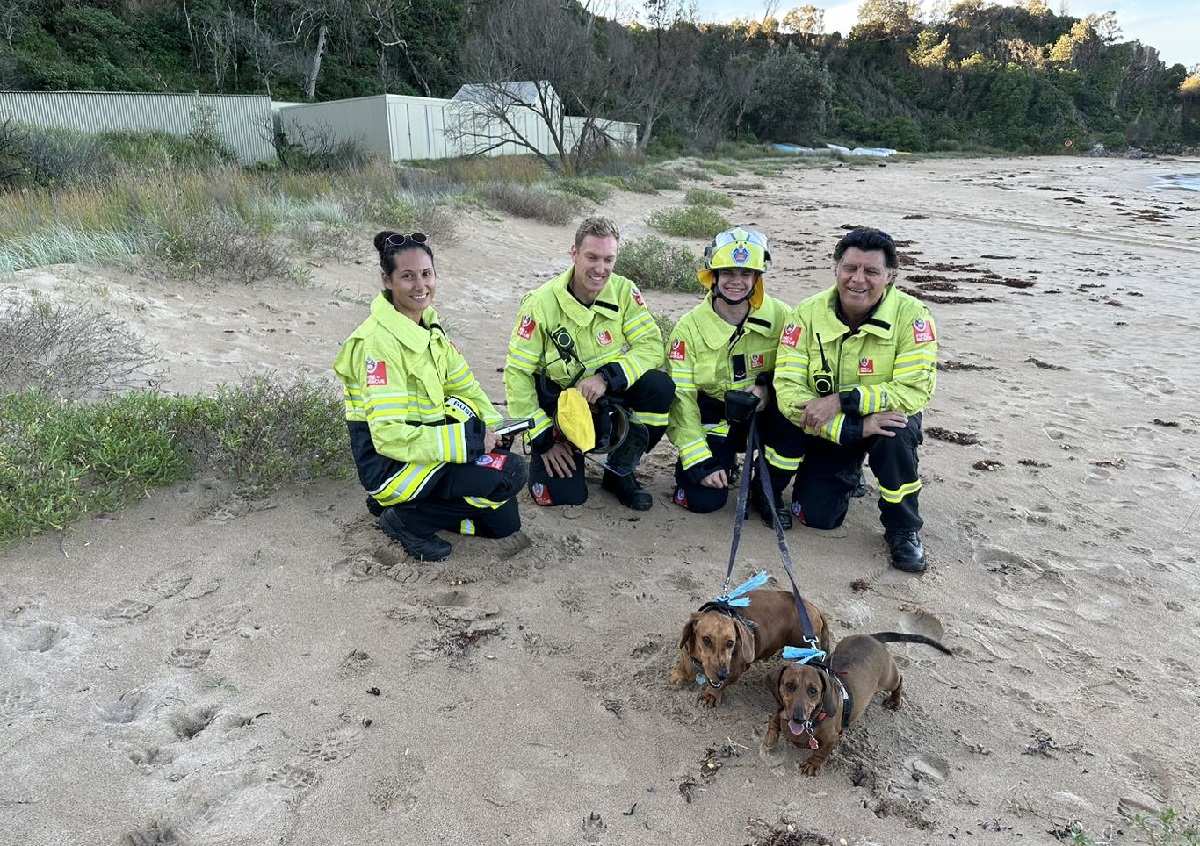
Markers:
point(723, 673)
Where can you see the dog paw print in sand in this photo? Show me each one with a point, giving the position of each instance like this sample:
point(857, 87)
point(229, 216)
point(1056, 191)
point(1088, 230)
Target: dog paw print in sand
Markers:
point(593, 827)
point(153, 833)
point(295, 778)
point(394, 793)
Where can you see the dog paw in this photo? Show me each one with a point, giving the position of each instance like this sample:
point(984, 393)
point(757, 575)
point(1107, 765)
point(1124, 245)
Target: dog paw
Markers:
point(811, 767)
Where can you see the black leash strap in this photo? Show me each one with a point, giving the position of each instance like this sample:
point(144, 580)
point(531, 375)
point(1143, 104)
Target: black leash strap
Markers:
point(752, 444)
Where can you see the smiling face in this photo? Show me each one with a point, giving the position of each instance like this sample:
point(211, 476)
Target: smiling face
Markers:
point(412, 283)
point(862, 278)
point(594, 259)
point(736, 283)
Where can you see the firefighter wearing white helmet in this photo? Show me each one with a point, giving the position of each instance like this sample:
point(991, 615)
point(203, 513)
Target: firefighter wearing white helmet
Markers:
point(721, 357)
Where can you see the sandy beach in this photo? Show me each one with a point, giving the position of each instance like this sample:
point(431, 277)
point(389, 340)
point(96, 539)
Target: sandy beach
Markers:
point(196, 671)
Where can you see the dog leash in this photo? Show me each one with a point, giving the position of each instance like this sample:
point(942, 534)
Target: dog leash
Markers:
point(752, 445)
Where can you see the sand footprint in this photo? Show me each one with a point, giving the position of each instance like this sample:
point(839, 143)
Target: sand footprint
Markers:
point(126, 708)
point(33, 636)
point(153, 833)
point(333, 745)
point(394, 793)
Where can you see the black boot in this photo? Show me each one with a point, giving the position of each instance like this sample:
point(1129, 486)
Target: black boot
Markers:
point(769, 512)
point(431, 548)
point(907, 551)
point(628, 490)
point(622, 461)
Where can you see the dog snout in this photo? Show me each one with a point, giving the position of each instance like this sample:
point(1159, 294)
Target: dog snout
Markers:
point(723, 673)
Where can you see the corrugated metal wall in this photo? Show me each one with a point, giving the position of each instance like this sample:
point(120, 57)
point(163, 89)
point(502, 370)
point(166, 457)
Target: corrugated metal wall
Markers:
point(414, 128)
point(243, 122)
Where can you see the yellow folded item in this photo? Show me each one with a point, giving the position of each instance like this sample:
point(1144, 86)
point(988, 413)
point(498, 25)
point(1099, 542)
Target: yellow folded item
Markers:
point(574, 419)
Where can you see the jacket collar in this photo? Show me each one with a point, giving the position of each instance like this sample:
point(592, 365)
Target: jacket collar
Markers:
point(411, 335)
point(577, 312)
point(881, 321)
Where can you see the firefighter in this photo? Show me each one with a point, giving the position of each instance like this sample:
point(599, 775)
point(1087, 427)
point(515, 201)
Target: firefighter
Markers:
point(721, 356)
point(857, 365)
point(420, 423)
point(589, 329)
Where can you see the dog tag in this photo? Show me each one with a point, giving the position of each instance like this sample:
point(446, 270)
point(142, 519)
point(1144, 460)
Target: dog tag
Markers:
point(701, 679)
point(812, 743)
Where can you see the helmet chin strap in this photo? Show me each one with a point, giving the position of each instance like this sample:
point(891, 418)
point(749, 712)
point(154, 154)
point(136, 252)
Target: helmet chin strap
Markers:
point(717, 292)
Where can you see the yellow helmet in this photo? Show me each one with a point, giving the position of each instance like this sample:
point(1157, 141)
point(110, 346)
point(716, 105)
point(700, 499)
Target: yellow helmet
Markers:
point(737, 248)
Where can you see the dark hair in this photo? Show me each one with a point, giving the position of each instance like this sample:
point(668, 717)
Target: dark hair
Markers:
point(387, 251)
point(868, 240)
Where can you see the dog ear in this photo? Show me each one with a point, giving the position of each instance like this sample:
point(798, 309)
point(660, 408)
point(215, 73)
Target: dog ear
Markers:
point(746, 647)
point(831, 693)
point(688, 636)
point(773, 680)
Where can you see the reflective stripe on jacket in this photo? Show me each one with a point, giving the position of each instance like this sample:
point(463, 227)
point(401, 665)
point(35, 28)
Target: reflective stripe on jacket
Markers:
point(889, 364)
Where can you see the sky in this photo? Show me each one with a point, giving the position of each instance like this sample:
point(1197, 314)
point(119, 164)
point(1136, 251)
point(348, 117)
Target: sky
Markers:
point(1170, 26)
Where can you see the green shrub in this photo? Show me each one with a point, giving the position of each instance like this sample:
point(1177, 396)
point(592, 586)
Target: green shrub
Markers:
point(68, 351)
point(535, 202)
point(720, 168)
point(706, 197)
point(266, 431)
point(656, 264)
point(590, 189)
point(662, 179)
point(690, 222)
point(62, 459)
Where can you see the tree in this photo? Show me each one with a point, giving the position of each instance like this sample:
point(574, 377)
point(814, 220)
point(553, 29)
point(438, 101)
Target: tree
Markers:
point(805, 20)
point(891, 17)
point(661, 65)
point(525, 57)
point(791, 100)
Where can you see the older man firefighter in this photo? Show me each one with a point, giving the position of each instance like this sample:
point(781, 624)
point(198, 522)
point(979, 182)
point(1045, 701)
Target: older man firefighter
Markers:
point(588, 329)
point(857, 365)
point(721, 356)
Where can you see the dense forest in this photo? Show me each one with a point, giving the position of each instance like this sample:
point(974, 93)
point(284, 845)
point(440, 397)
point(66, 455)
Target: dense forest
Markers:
point(971, 75)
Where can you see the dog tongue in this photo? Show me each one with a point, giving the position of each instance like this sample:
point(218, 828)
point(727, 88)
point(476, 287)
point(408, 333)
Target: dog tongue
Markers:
point(797, 728)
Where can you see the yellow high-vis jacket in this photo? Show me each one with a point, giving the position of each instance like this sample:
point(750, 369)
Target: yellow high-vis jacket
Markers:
point(400, 379)
point(560, 337)
point(707, 355)
point(889, 364)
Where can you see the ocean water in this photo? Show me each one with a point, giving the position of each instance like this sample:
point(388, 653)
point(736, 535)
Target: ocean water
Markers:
point(1187, 181)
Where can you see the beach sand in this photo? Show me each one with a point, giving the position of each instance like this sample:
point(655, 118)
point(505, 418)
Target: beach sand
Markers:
point(200, 671)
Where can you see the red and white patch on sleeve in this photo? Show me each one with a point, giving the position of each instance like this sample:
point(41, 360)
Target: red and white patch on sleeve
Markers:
point(923, 331)
point(376, 373)
point(866, 366)
point(791, 335)
point(756, 361)
point(637, 297)
point(528, 324)
point(678, 350)
point(540, 494)
point(492, 459)
point(604, 337)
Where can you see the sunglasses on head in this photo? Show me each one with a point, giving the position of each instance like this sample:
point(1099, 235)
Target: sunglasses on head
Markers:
point(396, 240)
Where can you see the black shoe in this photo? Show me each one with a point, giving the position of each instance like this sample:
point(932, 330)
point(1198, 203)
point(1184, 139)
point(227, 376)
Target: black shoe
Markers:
point(628, 490)
point(768, 514)
point(374, 507)
point(860, 487)
point(908, 554)
point(431, 548)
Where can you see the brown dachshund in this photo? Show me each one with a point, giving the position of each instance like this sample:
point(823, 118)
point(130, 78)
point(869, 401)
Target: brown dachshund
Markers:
point(817, 705)
point(715, 648)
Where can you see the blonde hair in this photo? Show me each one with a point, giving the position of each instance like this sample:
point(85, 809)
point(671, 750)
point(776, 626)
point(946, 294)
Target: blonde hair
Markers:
point(600, 227)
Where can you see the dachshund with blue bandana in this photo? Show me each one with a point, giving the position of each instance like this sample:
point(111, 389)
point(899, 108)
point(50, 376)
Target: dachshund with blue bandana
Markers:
point(718, 642)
